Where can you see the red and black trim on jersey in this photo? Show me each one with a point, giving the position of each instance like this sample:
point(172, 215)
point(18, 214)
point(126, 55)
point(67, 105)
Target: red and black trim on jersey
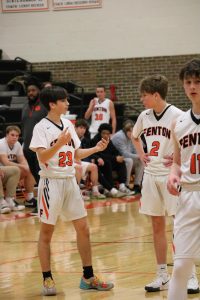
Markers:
point(194, 119)
point(158, 117)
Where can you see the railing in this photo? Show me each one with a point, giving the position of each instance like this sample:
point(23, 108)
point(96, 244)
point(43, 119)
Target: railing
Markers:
point(26, 61)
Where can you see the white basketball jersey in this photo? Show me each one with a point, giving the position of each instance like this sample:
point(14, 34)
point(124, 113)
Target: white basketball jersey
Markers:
point(187, 133)
point(100, 114)
point(45, 134)
point(12, 153)
point(157, 133)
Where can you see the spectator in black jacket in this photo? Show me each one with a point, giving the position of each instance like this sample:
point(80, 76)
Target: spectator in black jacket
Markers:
point(110, 160)
point(32, 112)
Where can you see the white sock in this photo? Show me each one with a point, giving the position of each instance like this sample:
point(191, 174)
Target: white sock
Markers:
point(29, 196)
point(178, 283)
point(113, 191)
point(95, 189)
point(194, 272)
point(122, 186)
point(9, 200)
point(162, 269)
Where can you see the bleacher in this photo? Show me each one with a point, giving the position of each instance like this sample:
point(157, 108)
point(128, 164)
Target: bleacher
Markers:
point(12, 99)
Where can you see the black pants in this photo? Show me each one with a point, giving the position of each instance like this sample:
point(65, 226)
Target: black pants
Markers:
point(33, 163)
point(105, 173)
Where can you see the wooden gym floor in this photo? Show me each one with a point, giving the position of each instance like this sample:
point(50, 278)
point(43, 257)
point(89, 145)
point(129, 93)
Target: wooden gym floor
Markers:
point(122, 252)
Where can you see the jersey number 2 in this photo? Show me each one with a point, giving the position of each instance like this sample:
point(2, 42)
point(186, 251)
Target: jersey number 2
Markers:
point(195, 164)
point(155, 148)
point(65, 159)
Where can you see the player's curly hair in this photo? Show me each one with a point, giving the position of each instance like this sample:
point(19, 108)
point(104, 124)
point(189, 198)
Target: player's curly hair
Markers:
point(105, 126)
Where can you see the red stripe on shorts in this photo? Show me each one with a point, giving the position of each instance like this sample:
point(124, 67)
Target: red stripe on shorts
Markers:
point(45, 207)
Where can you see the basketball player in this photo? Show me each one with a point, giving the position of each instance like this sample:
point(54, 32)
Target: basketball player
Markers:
point(155, 123)
point(57, 145)
point(11, 154)
point(185, 172)
point(101, 110)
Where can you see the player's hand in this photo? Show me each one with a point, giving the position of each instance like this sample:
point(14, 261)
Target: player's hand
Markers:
point(173, 185)
point(24, 168)
point(168, 160)
point(93, 103)
point(64, 138)
point(145, 159)
point(119, 159)
point(100, 162)
point(101, 145)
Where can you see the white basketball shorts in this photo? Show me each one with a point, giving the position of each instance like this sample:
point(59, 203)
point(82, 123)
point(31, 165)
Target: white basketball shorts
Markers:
point(60, 197)
point(155, 199)
point(187, 226)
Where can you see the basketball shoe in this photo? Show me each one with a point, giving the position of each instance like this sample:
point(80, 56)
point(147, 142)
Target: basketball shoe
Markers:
point(13, 205)
point(4, 208)
point(49, 288)
point(97, 195)
point(159, 284)
point(32, 203)
point(96, 284)
point(126, 191)
point(193, 285)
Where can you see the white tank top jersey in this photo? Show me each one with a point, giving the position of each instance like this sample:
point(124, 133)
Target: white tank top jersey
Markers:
point(100, 114)
point(12, 153)
point(45, 134)
point(157, 133)
point(187, 133)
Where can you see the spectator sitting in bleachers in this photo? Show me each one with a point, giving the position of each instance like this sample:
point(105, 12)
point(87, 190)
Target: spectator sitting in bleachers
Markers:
point(9, 178)
point(108, 161)
point(85, 167)
point(122, 141)
point(11, 154)
point(81, 127)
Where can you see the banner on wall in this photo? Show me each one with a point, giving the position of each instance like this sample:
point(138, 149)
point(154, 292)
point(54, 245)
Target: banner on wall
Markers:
point(23, 5)
point(76, 4)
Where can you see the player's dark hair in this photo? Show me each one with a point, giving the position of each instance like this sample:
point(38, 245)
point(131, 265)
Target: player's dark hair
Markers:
point(154, 84)
point(190, 69)
point(81, 122)
point(101, 86)
point(105, 126)
point(52, 94)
